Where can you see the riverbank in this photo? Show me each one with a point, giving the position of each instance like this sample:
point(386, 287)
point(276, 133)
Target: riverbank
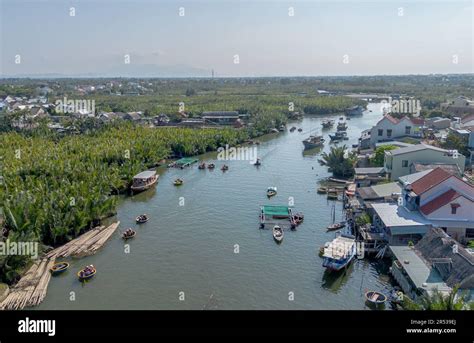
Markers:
point(203, 239)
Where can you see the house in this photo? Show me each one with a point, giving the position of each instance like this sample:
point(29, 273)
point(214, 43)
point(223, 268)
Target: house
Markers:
point(368, 176)
point(470, 144)
point(467, 121)
point(410, 178)
point(438, 123)
point(161, 120)
point(110, 116)
point(443, 199)
point(451, 168)
point(133, 116)
point(398, 162)
point(385, 192)
point(221, 117)
point(192, 122)
point(460, 105)
point(437, 261)
point(397, 224)
point(389, 128)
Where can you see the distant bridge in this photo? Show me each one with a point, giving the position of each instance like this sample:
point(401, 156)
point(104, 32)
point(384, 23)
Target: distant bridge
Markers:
point(369, 97)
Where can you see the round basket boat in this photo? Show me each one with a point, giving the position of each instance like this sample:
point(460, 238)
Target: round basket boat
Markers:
point(130, 236)
point(83, 277)
point(142, 219)
point(59, 268)
point(375, 298)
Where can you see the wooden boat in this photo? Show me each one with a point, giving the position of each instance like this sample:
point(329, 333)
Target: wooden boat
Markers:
point(225, 167)
point(277, 233)
point(143, 218)
point(333, 179)
point(58, 268)
point(355, 111)
point(257, 162)
point(332, 196)
point(178, 182)
point(271, 191)
point(375, 297)
point(322, 190)
point(298, 218)
point(202, 166)
point(339, 253)
point(144, 181)
point(336, 226)
point(313, 142)
point(327, 123)
point(338, 136)
point(342, 126)
point(211, 166)
point(129, 234)
point(84, 274)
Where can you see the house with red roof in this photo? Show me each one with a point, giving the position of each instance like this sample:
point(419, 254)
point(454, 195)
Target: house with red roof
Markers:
point(389, 128)
point(444, 200)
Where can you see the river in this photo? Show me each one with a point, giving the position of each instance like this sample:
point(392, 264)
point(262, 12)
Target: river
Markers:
point(209, 252)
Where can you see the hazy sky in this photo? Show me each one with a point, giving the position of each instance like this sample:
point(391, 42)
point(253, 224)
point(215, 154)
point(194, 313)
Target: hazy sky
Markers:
point(267, 40)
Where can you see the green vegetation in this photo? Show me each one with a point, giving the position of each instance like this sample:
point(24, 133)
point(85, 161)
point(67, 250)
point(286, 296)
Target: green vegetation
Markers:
point(339, 161)
point(470, 244)
point(56, 188)
point(437, 301)
point(378, 159)
point(455, 142)
point(363, 219)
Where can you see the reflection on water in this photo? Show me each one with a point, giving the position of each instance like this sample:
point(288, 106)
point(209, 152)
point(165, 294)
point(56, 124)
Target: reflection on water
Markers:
point(189, 245)
point(334, 281)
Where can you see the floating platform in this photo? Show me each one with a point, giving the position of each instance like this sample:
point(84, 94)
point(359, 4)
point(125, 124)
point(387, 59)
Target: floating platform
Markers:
point(276, 215)
point(184, 162)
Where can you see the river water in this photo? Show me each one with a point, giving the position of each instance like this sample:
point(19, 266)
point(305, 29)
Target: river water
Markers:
point(209, 253)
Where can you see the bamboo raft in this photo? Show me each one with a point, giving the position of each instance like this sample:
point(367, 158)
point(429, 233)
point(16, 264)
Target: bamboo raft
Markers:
point(86, 244)
point(32, 287)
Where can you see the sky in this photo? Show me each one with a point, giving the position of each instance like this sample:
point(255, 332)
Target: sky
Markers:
point(235, 38)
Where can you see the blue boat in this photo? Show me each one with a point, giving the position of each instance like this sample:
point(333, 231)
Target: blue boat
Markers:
point(339, 253)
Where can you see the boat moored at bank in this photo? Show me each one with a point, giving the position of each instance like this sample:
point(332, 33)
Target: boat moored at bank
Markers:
point(339, 253)
point(144, 181)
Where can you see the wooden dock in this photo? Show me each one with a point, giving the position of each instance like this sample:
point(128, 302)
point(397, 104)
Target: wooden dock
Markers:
point(33, 286)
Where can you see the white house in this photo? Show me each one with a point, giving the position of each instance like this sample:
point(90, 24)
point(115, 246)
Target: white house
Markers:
point(389, 128)
point(398, 162)
point(443, 199)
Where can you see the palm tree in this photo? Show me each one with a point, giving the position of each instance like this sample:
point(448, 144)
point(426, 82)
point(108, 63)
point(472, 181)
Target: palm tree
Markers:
point(339, 162)
point(438, 301)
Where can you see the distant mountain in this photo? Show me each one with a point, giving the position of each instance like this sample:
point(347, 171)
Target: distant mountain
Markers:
point(127, 70)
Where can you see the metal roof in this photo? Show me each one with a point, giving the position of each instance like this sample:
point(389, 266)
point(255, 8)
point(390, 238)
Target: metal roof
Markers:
point(145, 174)
point(421, 274)
point(407, 179)
point(387, 189)
point(414, 148)
point(398, 216)
point(373, 170)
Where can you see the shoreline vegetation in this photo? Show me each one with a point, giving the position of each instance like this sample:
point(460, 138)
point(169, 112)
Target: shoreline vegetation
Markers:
point(55, 189)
